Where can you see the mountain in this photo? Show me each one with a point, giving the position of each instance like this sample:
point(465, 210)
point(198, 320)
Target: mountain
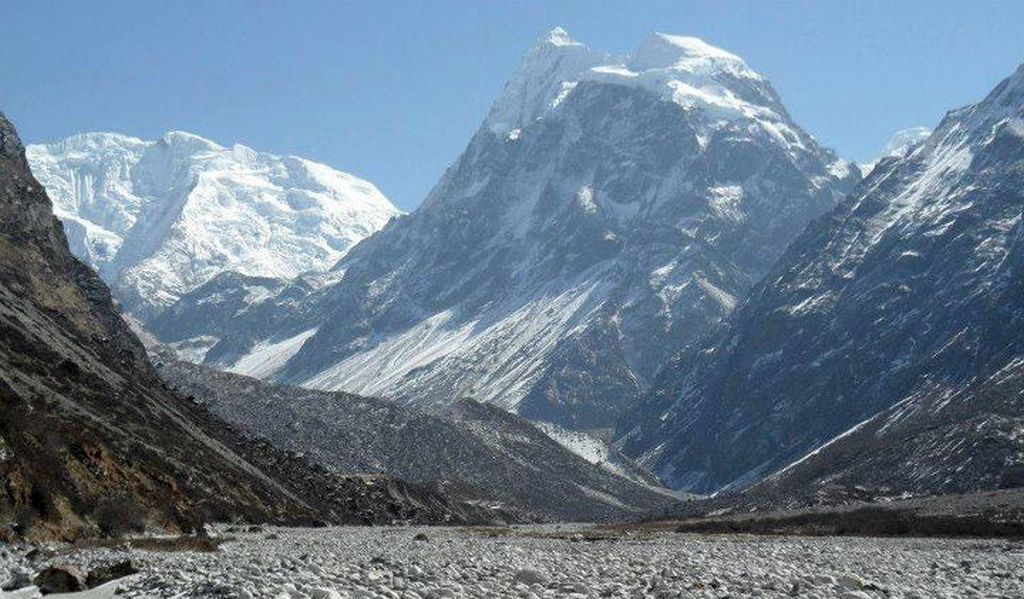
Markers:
point(898, 146)
point(159, 218)
point(946, 441)
point(90, 435)
point(895, 303)
point(490, 457)
point(606, 212)
point(83, 417)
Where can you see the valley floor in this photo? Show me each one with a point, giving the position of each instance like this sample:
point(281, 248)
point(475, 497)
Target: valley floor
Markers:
point(562, 562)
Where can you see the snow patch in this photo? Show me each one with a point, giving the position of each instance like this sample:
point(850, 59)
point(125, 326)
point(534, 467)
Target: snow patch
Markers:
point(264, 360)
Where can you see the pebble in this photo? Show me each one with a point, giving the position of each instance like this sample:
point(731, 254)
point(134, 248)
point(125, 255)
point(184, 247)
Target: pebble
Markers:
point(387, 563)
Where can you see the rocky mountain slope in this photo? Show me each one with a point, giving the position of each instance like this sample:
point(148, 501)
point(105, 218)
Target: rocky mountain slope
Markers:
point(606, 212)
point(472, 450)
point(84, 417)
point(88, 430)
point(943, 441)
point(158, 218)
point(893, 305)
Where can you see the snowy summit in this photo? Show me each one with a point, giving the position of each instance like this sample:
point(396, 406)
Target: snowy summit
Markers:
point(159, 218)
point(685, 70)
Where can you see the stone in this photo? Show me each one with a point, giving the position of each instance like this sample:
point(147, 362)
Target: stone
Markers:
point(851, 582)
point(18, 578)
point(60, 579)
point(530, 577)
point(104, 574)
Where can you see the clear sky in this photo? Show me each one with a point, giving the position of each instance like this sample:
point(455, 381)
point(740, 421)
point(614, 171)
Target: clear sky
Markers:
point(392, 91)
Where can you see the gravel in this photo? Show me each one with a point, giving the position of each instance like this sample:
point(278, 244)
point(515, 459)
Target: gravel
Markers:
point(351, 562)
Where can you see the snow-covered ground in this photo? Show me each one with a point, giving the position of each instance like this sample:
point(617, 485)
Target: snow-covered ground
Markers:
point(389, 562)
point(266, 358)
point(595, 451)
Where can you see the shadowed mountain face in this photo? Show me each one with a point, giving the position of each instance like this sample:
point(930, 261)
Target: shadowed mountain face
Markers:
point(912, 287)
point(606, 213)
point(941, 441)
point(473, 449)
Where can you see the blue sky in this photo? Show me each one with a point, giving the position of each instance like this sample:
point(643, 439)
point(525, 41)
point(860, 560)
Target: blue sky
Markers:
point(392, 91)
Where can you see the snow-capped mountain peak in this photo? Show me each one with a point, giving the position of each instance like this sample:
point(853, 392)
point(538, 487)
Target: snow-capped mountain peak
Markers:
point(550, 69)
point(695, 74)
point(666, 51)
point(93, 140)
point(600, 219)
point(686, 70)
point(159, 218)
point(558, 36)
point(185, 141)
point(898, 146)
point(903, 140)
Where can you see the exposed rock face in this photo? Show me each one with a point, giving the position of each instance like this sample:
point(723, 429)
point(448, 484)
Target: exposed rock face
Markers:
point(912, 287)
point(158, 218)
point(604, 214)
point(473, 451)
point(943, 440)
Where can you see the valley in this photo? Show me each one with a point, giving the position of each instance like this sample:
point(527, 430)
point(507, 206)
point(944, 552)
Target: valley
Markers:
point(645, 337)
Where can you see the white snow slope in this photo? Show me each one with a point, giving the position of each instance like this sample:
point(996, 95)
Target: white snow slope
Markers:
point(159, 218)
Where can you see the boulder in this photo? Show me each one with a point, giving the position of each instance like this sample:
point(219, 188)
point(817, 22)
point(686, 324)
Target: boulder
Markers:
point(60, 579)
point(104, 574)
point(530, 577)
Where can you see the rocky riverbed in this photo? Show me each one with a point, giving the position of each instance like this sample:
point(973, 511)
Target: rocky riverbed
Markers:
point(554, 562)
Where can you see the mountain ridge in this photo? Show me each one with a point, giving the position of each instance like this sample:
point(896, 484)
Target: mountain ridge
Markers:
point(911, 283)
point(496, 458)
